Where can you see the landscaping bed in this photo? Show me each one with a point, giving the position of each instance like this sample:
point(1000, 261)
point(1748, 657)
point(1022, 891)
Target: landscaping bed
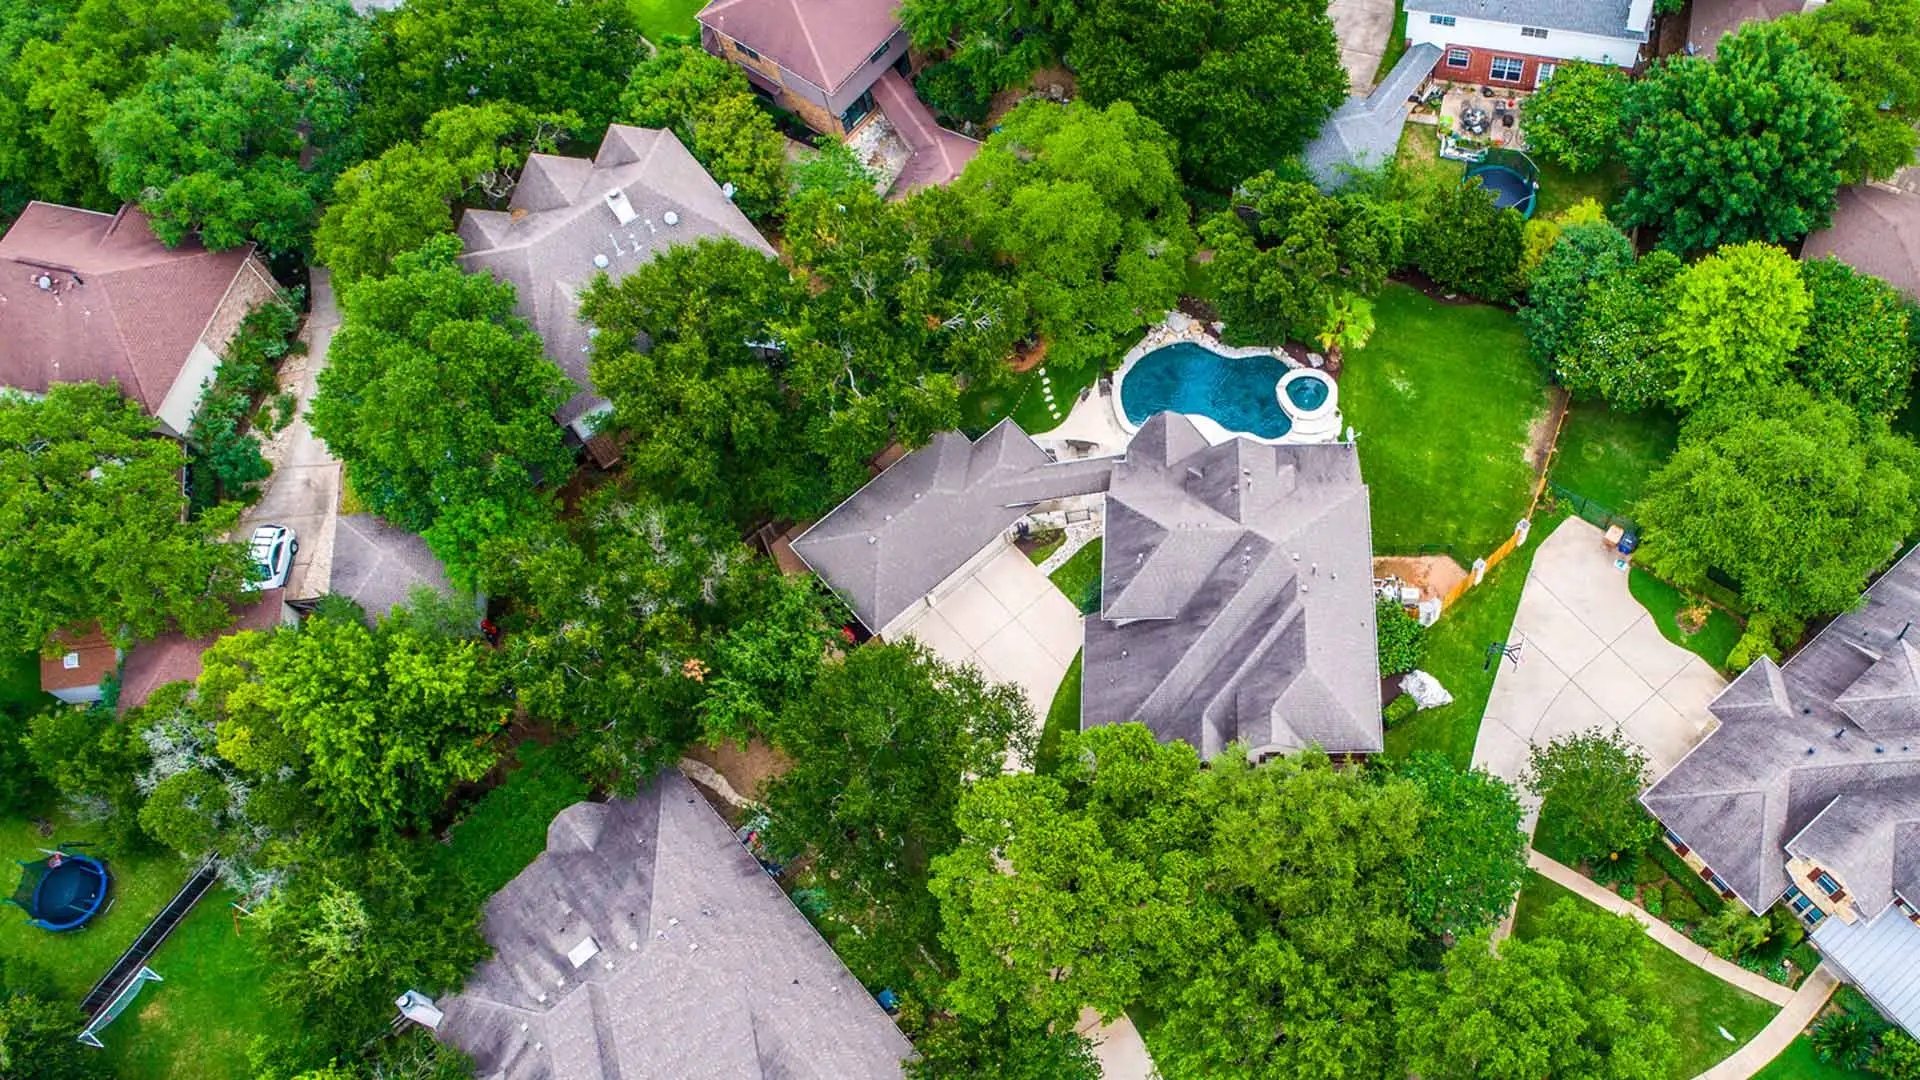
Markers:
point(1673, 610)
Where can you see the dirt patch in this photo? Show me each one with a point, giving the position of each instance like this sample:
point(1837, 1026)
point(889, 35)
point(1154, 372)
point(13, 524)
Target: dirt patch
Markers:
point(1441, 294)
point(1433, 575)
point(1026, 358)
point(748, 769)
point(1055, 83)
point(1544, 430)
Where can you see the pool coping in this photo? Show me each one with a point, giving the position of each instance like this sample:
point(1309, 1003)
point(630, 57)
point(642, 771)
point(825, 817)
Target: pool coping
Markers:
point(1178, 327)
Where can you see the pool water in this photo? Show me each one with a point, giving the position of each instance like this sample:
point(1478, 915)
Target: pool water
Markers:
point(1236, 393)
point(1307, 394)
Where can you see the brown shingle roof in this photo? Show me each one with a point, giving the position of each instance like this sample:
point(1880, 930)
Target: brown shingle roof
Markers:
point(117, 304)
point(822, 41)
point(1876, 232)
point(93, 658)
point(172, 658)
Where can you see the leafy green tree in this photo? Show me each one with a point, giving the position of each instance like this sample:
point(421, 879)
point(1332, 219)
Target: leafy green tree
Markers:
point(1559, 287)
point(990, 45)
point(1240, 83)
point(1859, 346)
point(1463, 241)
point(1871, 50)
point(1590, 783)
point(91, 507)
point(1400, 637)
point(1734, 320)
point(1006, 1049)
point(431, 55)
point(21, 786)
point(1580, 999)
point(184, 812)
point(22, 154)
point(1797, 499)
point(1898, 1059)
point(1086, 207)
point(832, 170)
point(634, 617)
point(1746, 146)
point(95, 763)
point(884, 746)
point(1575, 118)
point(710, 107)
point(315, 48)
point(1615, 350)
point(441, 403)
point(1474, 856)
point(37, 1041)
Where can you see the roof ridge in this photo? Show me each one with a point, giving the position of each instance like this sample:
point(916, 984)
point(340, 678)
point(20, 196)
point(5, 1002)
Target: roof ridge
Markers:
point(806, 35)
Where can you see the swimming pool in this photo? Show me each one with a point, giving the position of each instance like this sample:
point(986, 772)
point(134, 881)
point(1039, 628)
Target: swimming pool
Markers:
point(1237, 393)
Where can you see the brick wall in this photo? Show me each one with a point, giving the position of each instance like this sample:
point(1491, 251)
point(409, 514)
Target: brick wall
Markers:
point(769, 77)
point(1479, 69)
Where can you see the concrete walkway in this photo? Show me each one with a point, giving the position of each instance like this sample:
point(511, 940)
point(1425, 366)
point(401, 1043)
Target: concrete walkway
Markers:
point(1786, 1026)
point(1118, 1047)
point(1659, 931)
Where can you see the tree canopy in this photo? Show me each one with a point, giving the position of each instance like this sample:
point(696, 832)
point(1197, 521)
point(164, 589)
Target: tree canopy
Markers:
point(96, 526)
point(1733, 321)
point(1574, 118)
point(709, 105)
point(1474, 856)
point(1860, 346)
point(1871, 51)
point(1590, 782)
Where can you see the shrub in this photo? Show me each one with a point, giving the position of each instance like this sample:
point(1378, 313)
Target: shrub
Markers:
point(1575, 119)
point(1680, 904)
point(1767, 634)
point(1651, 901)
point(1399, 709)
point(1616, 868)
point(1647, 872)
point(1464, 242)
point(1844, 1039)
point(953, 92)
point(1683, 875)
point(1401, 637)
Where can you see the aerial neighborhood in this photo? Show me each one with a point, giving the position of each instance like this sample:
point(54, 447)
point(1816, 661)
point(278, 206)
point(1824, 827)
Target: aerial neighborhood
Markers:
point(960, 540)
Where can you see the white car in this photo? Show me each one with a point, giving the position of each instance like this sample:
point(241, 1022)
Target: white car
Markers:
point(271, 551)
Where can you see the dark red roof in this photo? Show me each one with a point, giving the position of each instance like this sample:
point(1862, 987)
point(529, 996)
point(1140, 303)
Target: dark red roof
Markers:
point(172, 658)
point(822, 41)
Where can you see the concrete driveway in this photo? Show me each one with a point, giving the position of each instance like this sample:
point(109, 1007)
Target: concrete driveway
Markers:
point(303, 492)
point(1590, 656)
point(1008, 620)
point(1363, 27)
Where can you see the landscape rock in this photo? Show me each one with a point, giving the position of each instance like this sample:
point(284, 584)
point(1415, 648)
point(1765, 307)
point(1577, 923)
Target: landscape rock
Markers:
point(1425, 690)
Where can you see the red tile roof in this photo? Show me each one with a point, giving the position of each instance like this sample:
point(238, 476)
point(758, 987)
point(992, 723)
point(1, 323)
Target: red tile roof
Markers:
point(822, 41)
point(172, 658)
point(116, 303)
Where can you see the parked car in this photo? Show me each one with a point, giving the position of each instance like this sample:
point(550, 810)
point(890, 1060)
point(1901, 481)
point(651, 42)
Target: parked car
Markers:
point(271, 551)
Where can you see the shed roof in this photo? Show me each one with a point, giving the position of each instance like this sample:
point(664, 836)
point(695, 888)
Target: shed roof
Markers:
point(647, 944)
point(1606, 18)
point(565, 217)
point(823, 41)
point(86, 656)
point(1875, 231)
point(92, 297)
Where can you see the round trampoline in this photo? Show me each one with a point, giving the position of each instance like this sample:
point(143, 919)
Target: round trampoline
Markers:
point(1511, 176)
point(61, 891)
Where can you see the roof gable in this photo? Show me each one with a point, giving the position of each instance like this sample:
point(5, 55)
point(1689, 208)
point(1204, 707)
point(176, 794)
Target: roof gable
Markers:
point(823, 41)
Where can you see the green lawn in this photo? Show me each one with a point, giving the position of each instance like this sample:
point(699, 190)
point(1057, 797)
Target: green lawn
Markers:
point(1712, 642)
point(20, 683)
point(200, 1021)
point(1456, 654)
point(142, 885)
point(659, 18)
point(1443, 397)
point(1079, 578)
point(1701, 1003)
point(1024, 398)
point(1396, 44)
point(1063, 718)
point(1799, 1062)
point(507, 828)
point(1607, 456)
point(1560, 188)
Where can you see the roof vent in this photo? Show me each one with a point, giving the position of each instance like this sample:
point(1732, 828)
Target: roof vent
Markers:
point(670, 218)
point(44, 283)
point(601, 261)
point(583, 952)
point(622, 209)
point(70, 661)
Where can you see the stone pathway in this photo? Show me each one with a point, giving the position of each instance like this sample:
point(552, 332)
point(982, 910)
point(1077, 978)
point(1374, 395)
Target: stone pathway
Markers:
point(1659, 931)
point(1786, 1026)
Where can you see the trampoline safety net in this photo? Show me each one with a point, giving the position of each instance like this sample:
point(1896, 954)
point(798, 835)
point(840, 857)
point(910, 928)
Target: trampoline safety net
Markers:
point(91, 1036)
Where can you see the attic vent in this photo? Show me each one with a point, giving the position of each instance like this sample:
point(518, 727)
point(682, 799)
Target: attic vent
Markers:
point(583, 952)
point(70, 661)
point(622, 209)
point(670, 218)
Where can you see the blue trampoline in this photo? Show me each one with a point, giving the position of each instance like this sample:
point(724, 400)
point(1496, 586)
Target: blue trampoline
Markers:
point(61, 891)
point(1512, 177)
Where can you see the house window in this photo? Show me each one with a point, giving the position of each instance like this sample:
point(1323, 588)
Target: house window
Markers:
point(1440, 20)
point(1458, 58)
point(879, 52)
point(1507, 69)
point(1544, 72)
point(744, 51)
point(1826, 883)
point(1532, 32)
point(857, 111)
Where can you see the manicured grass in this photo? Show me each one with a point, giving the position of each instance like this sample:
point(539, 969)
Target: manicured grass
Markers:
point(1607, 456)
point(1024, 398)
point(1079, 578)
point(658, 18)
point(1063, 718)
point(141, 885)
point(20, 683)
point(1712, 642)
point(1443, 397)
point(1456, 654)
point(1561, 188)
point(1046, 548)
point(1799, 1062)
point(1701, 1003)
point(201, 1020)
point(507, 828)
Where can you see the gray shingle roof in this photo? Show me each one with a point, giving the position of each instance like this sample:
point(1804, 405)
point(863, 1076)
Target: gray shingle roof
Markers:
point(1833, 736)
point(693, 963)
point(1237, 596)
point(913, 525)
point(1876, 232)
point(1365, 132)
point(377, 564)
point(1608, 18)
point(1882, 957)
point(561, 220)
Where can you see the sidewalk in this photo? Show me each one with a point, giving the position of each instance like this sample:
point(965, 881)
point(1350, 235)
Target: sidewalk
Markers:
point(1674, 940)
point(1785, 1026)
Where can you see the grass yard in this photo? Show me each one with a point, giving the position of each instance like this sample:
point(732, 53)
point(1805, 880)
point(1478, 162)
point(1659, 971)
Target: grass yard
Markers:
point(1024, 398)
point(1799, 1062)
point(1396, 44)
point(1701, 1003)
point(142, 885)
point(1607, 456)
point(1079, 578)
point(20, 683)
point(1561, 188)
point(660, 18)
point(1063, 718)
point(1711, 642)
point(1456, 652)
point(507, 828)
point(201, 1020)
point(1444, 397)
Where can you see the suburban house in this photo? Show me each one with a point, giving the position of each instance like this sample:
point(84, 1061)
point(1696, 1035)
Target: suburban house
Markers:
point(647, 943)
point(75, 674)
point(835, 64)
point(1875, 230)
point(92, 297)
point(1517, 43)
point(1808, 791)
point(175, 657)
point(378, 566)
point(572, 219)
point(1237, 599)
